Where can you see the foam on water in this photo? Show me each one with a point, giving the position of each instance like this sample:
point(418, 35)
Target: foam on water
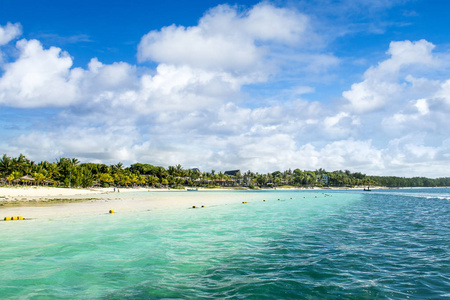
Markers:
point(436, 193)
point(345, 245)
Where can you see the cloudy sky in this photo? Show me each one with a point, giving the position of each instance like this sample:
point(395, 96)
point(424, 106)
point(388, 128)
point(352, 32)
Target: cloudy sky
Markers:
point(362, 85)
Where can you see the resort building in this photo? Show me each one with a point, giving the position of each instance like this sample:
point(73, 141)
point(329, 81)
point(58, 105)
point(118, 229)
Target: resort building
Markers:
point(233, 173)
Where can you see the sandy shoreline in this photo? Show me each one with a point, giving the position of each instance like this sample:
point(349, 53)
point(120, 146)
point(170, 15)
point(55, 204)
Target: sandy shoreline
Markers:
point(42, 192)
point(50, 202)
point(47, 202)
point(36, 203)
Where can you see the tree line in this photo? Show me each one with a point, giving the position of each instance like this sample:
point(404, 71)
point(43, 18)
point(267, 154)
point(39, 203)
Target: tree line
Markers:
point(69, 172)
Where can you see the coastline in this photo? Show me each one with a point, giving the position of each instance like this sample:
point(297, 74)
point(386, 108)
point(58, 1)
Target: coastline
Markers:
point(50, 202)
point(21, 193)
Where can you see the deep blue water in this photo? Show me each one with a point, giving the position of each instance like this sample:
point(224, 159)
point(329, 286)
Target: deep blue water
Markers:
point(386, 244)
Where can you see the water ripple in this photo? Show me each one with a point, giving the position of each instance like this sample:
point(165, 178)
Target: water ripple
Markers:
point(385, 245)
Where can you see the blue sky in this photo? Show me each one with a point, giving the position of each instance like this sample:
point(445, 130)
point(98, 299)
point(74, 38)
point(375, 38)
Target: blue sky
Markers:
point(358, 85)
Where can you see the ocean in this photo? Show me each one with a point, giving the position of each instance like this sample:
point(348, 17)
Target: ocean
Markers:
point(321, 244)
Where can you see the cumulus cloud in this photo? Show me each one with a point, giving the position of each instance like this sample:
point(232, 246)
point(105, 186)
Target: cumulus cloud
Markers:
point(9, 32)
point(90, 144)
point(191, 109)
point(38, 77)
point(382, 84)
point(429, 114)
point(199, 66)
point(226, 39)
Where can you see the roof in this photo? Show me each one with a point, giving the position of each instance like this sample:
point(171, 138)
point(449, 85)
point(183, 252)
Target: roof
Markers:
point(27, 177)
point(232, 172)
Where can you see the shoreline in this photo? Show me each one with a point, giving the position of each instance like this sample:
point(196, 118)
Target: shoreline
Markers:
point(50, 202)
point(20, 193)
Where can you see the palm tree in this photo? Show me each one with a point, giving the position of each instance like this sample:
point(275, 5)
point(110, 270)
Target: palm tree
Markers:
point(117, 168)
point(152, 180)
point(21, 164)
point(179, 169)
point(6, 166)
point(52, 171)
point(105, 178)
point(39, 177)
point(141, 179)
point(171, 170)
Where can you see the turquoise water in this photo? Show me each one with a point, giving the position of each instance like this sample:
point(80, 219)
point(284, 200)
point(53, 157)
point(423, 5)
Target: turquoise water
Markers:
point(389, 244)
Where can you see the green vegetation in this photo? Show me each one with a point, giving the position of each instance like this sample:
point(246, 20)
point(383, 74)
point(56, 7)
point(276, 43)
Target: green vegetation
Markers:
point(71, 173)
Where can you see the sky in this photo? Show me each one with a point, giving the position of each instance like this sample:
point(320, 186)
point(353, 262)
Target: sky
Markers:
point(359, 85)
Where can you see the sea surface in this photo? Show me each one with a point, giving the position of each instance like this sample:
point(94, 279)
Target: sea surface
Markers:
point(382, 244)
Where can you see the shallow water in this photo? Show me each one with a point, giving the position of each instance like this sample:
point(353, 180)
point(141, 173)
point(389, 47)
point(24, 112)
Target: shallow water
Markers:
point(391, 244)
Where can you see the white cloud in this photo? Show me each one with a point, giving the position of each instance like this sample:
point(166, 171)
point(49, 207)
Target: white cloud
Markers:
point(38, 77)
point(226, 40)
point(407, 53)
point(200, 66)
point(9, 32)
point(110, 144)
point(340, 125)
point(382, 84)
point(268, 23)
point(191, 109)
point(444, 93)
point(184, 88)
point(428, 114)
point(117, 76)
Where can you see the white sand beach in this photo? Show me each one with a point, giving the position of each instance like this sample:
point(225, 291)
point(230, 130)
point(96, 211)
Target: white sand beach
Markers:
point(37, 192)
point(48, 202)
point(45, 202)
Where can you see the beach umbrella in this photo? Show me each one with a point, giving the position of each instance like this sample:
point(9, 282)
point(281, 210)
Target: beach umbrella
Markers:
point(27, 177)
point(48, 182)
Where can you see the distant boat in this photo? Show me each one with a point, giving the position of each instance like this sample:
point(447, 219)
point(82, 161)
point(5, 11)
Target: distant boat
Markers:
point(192, 190)
point(368, 189)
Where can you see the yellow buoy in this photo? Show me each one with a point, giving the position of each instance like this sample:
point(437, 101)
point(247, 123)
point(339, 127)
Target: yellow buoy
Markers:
point(278, 199)
point(111, 211)
point(264, 200)
point(244, 202)
point(20, 217)
point(7, 219)
point(193, 206)
point(14, 218)
point(203, 206)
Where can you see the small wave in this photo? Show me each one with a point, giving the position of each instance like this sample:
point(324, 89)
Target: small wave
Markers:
point(418, 194)
point(438, 197)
